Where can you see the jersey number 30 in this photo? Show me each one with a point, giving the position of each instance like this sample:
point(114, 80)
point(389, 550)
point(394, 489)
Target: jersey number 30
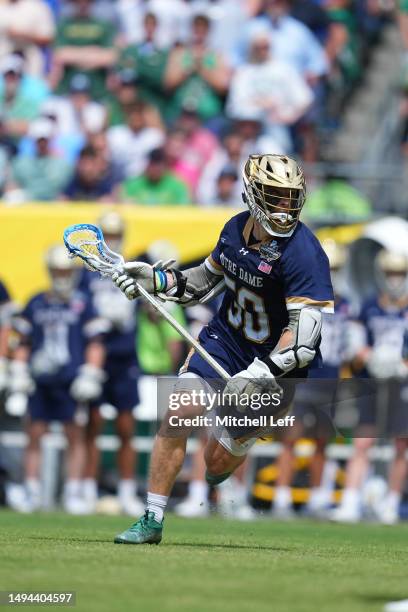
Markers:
point(248, 313)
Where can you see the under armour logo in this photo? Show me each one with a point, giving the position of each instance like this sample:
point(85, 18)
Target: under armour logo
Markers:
point(243, 251)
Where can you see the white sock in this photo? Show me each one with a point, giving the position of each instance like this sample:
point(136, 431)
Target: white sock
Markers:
point(392, 500)
point(319, 498)
point(283, 498)
point(198, 490)
point(33, 487)
point(126, 488)
point(72, 488)
point(90, 489)
point(351, 499)
point(156, 504)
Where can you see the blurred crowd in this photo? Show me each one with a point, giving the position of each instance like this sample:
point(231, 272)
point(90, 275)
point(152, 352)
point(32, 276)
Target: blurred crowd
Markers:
point(160, 101)
point(81, 345)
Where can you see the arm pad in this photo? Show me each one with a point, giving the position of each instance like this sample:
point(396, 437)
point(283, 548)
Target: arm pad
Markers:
point(306, 326)
point(195, 285)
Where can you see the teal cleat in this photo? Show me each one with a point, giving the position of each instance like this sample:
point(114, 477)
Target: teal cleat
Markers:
point(145, 531)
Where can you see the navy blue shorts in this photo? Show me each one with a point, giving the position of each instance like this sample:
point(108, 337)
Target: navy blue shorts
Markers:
point(49, 403)
point(386, 411)
point(231, 359)
point(234, 361)
point(121, 387)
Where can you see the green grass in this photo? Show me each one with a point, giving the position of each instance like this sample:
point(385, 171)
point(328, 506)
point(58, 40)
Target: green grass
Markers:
point(206, 565)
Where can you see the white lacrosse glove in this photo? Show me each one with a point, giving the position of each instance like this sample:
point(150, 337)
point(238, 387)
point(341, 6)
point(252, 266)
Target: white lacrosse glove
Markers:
point(152, 278)
point(87, 386)
point(20, 380)
point(386, 362)
point(256, 379)
point(3, 373)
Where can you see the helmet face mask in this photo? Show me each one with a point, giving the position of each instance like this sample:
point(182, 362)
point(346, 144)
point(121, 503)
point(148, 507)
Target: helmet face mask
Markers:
point(392, 274)
point(63, 282)
point(274, 191)
point(63, 272)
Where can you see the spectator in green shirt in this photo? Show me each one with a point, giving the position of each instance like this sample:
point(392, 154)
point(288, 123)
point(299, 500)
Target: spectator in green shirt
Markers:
point(196, 73)
point(149, 62)
point(83, 44)
point(42, 176)
point(157, 186)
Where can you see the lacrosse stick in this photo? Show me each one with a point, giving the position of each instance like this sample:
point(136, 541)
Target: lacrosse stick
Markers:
point(86, 241)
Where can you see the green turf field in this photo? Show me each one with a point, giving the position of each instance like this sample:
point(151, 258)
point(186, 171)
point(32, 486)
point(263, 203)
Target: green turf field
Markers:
point(206, 565)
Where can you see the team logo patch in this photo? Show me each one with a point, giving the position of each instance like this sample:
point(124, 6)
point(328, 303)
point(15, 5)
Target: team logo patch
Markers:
point(269, 251)
point(264, 267)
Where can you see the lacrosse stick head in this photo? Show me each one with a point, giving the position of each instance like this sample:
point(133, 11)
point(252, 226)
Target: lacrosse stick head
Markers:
point(86, 241)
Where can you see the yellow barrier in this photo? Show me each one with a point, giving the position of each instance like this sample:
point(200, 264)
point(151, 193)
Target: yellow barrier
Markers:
point(27, 231)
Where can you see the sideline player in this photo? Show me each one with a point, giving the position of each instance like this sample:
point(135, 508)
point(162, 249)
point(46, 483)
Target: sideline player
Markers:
point(379, 354)
point(58, 363)
point(120, 388)
point(315, 404)
point(277, 286)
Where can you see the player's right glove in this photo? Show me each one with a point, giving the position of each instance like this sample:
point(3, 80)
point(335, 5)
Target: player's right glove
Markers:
point(152, 278)
point(20, 380)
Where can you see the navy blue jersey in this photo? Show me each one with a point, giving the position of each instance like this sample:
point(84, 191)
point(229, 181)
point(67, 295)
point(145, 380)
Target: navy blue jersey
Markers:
point(110, 304)
point(58, 333)
point(385, 326)
point(334, 340)
point(265, 280)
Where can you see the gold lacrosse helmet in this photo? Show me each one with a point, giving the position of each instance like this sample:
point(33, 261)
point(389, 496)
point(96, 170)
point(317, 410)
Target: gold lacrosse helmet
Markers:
point(391, 270)
point(112, 225)
point(274, 191)
point(336, 253)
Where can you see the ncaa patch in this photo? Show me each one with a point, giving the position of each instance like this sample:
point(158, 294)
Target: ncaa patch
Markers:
point(269, 251)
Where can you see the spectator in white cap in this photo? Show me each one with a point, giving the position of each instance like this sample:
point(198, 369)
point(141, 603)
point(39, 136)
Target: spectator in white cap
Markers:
point(269, 89)
point(40, 177)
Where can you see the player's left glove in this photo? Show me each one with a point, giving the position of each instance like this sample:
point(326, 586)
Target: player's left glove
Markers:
point(87, 386)
point(256, 379)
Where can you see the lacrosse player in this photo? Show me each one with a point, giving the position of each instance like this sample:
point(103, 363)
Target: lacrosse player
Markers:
point(58, 363)
point(277, 282)
point(121, 386)
point(380, 353)
point(317, 394)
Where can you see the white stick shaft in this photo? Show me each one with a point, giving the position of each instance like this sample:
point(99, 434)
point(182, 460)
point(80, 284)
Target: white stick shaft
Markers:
point(183, 332)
